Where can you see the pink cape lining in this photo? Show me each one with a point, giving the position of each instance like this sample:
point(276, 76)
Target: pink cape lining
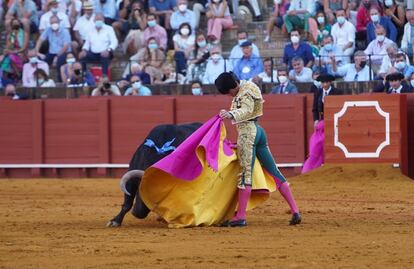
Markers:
point(184, 164)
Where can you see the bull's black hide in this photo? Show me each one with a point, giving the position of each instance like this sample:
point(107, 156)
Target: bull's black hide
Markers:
point(160, 142)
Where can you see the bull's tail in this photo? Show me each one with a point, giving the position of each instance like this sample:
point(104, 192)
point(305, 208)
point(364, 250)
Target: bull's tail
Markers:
point(127, 176)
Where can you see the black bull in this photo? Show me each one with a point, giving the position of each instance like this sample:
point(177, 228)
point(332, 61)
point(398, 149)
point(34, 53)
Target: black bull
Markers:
point(159, 143)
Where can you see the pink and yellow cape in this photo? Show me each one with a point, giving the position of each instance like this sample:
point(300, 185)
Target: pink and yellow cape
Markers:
point(196, 185)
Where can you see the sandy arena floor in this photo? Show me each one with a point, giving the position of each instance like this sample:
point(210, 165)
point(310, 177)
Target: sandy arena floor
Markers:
point(353, 217)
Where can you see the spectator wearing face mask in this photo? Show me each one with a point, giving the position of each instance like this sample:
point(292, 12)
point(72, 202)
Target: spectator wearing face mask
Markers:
point(343, 33)
point(11, 61)
point(388, 60)
point(412, 81)
point(297, 49)
point(358, 71)
point(184, 43)
point(182, 15)
point(43, 80)
point(80, 78)
point(197, 66)
point(331, 6)
point(236, 52)
point(216, 65)
point(26, 11)
point(137, 89)
point(53, 8)
point(324, 28)
point(329, 49)
point(363, 18)
point(378, 20)
point(83, 25)
point(30, 67)
point(154, 30)
point(66, 70)
point(196, 88)
point(285, 86)
point(378, 47)
point(163, 10)
point(401, 66)
point(151, 59)
point(59, 44)
point(99, 45)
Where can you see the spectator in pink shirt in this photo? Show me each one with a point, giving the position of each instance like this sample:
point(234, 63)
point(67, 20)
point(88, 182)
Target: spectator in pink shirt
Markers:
point(30, 67)
point(154, 30)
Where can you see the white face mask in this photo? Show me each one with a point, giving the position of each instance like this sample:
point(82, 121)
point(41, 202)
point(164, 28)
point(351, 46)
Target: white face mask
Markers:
point(388, 3)
point(412, 83)
point(380, 38)
point(282, 79)
point(215, 57)
point(182, 7)
point(136, 85)
point(278, 2)
point(216, 1)
point(317, 83)
point(321, 20)
point(294, 39)
point(341, 19)
point(54, 26)
point(196, 91)
point(185, 31)
point(241, 41)
point(375, 18)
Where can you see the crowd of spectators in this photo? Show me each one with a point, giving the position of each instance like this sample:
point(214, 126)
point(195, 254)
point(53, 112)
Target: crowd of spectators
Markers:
point(166, 41)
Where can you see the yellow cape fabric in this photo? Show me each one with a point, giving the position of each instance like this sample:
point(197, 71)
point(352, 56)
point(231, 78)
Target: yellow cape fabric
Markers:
point(207, 200)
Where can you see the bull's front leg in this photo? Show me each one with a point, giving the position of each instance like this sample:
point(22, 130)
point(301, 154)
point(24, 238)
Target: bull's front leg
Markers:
point(129, 184)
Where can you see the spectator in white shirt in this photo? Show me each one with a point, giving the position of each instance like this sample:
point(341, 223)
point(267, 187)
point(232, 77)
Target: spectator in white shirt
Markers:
point(389, 60)
point(343, 33)
point(84, 24)
point(53, 11)
point(266, 75)
point(99, 45)
point(378, 47)
point(300, 73)
point(216, 65)
point(358, 71)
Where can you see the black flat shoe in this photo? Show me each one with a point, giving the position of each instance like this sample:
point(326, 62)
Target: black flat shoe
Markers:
point(296, 219)
point(234, 223)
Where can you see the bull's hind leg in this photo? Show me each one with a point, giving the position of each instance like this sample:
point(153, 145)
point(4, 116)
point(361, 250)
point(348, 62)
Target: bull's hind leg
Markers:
point(132, 187)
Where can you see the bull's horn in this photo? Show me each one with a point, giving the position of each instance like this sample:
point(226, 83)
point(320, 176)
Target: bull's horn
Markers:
point(127, 176)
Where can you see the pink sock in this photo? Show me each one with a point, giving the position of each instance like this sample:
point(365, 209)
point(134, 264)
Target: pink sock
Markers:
point(244, 195)
point(287, 194)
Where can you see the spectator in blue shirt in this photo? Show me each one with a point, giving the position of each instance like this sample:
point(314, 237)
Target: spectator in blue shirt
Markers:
point(163, 10)
point(249, 65)
point(385, 21)
point(182, 15)
point(108, 9)
point(59, 44)
point(137, 88)
point(297, 48)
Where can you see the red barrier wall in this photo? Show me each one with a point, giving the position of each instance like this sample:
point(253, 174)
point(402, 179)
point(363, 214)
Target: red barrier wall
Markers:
point(361, 129)
point(109, 129)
